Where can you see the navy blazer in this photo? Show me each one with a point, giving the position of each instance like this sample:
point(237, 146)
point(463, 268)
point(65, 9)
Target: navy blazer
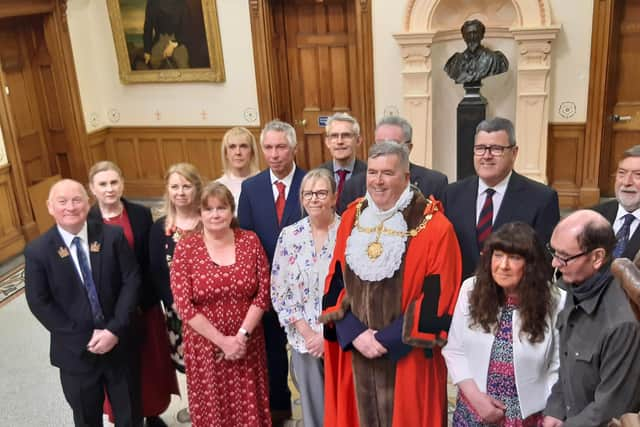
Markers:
point(257, 208)
point(609, 210)
point(57, 297)
point(358, 167)
point(141, 221)
point(525, 200)
point(429, 182)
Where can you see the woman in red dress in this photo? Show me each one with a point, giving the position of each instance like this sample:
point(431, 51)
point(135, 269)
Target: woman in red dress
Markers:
point(157, 376)
point(220, 283)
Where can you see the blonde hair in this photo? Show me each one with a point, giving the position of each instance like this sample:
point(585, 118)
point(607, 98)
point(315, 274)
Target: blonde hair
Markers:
point(223, 194)
point(102, 166)
point(235, 132)
point(191, 174)
point(317, 174)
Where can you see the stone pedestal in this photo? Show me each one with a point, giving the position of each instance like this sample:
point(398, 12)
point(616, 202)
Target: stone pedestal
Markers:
point(471, 111)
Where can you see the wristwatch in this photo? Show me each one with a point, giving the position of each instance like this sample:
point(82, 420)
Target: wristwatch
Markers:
point(244, 332)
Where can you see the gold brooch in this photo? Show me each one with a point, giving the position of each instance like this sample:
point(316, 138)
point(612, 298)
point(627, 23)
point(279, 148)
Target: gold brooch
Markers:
point(95, 247)
point(63, 252)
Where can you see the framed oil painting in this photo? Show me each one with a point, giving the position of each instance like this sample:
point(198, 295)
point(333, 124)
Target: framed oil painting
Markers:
point(167, 40)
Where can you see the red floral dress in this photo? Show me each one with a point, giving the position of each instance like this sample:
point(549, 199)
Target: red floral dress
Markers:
point(223, 392)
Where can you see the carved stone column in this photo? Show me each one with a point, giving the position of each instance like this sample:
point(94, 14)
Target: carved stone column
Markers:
point(417, 93)
point(532, 105)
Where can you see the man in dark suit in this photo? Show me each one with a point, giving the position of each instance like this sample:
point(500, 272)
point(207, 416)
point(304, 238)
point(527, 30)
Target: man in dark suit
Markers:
point(342, 139)
point(623, 213)
point(497, 194)
point(268, 202)
point(428, 181)
point(82, 284)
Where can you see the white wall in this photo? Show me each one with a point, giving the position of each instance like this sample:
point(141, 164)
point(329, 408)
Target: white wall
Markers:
point(569, 73)
point(108, 102)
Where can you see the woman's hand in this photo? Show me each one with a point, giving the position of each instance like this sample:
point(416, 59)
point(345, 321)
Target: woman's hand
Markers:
point(314, 343)
point(489, 409)
point(233, 347)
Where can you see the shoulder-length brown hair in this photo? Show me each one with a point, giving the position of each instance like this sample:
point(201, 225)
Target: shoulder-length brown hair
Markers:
point(534, 290)
point(223, 194)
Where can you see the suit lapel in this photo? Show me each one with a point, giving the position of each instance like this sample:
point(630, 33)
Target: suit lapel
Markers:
point(265, 194)
point(469, 221)
point(95, 236)
point(510, 202)
point(292, 199)
point(63, 258)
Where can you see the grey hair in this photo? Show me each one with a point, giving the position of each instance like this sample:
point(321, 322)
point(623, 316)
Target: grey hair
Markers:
point(343, 117)
point(279, 126)
point(400, 122)
point(391, 148)
point(631, 152)
point(497, 124)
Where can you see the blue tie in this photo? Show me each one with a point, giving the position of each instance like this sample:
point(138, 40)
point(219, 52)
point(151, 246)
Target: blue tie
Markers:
point(623, 236)
point(87, 280)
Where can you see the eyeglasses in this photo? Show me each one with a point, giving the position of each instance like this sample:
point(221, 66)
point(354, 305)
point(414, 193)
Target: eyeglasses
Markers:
point(564, 260)
point(495, 150)
point(320, 194)
point(343, 135)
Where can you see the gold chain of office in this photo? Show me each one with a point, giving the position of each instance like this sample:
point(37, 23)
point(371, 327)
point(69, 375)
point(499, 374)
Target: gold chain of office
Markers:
point(375, 248)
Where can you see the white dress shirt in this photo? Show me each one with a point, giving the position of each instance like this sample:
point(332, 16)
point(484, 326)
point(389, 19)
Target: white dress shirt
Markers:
point(84, 239)
point(286, 180)
point(617, 224)
point(500, 189)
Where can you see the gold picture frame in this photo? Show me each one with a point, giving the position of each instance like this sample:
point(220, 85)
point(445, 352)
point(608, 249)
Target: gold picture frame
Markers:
point(192, 59)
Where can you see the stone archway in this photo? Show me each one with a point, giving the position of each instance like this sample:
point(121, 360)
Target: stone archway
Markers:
point(528, 22)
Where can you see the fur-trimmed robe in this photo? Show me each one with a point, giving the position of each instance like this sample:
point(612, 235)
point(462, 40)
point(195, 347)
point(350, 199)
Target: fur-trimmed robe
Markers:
point(412, 311)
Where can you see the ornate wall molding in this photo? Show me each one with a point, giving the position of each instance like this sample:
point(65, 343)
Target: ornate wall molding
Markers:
point(527, 22)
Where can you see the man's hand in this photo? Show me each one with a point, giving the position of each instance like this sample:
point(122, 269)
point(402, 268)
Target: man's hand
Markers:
point(367, 344)
point(315, 344)
point(102, 341)
point(168, 51)
point(147, 58)
point(551, 422)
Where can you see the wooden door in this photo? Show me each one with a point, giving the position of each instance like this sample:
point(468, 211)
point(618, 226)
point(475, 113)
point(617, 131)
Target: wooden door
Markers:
point(316, 68)
point(30, 91)
point(623, 126)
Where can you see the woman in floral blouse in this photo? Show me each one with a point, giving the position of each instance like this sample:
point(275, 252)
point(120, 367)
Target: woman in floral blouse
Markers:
point(300, 265)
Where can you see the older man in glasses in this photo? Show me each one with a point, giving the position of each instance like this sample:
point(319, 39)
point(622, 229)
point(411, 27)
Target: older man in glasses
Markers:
point(497, 194)
point(599, 376)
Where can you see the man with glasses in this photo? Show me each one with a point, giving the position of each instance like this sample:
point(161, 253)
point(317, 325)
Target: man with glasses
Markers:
point(342, 139)
point(599, 336)
point(624, 212)
point(394, 128)
point(496, 195)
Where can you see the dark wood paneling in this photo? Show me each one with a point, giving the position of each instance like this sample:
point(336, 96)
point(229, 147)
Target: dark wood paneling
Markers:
point(565, 161)
point(145, 153)
point(12, 241)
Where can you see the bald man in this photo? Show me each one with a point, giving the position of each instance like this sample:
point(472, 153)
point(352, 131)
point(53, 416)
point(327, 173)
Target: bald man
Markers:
point(599, 376)
point(81, 283)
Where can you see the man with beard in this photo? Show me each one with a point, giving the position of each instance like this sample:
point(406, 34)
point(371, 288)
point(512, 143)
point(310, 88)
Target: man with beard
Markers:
point(476, 62)
point(624, 212)
point(389, 296)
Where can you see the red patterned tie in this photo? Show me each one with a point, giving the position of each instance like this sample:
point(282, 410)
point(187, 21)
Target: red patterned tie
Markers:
point(280, 201)
point(342, 177)
point(485, 221)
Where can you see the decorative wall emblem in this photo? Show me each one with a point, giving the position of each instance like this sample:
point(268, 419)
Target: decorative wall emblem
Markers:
point(250, 115)
point(114, 115)
point(94, 120)
point(567, 109)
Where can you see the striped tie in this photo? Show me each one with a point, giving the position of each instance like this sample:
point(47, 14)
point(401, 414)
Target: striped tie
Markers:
point(623, 236)
point(485, 221)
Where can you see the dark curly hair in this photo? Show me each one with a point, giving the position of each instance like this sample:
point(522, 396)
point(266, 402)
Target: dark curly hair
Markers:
point(534, 291)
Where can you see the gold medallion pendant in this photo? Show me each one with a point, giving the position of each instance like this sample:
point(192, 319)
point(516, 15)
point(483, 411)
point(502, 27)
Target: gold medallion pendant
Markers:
point(374, 250)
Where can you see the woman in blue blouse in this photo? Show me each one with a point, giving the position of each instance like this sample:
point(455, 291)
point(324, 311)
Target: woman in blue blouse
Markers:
point(300, 266)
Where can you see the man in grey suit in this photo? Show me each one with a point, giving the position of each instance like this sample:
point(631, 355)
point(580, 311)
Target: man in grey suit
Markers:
point(623, 213)
point(342, 139)
point(394, 128)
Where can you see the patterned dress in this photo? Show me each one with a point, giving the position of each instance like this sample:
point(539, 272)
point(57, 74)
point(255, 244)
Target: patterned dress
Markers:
point(501, 382)
point(223, 392)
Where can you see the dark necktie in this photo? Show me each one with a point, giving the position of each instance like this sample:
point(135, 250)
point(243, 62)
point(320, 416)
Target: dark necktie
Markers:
point(342, 177)
point(87, 280)
point(623, 236)
point(280, 201)
point(485, 221)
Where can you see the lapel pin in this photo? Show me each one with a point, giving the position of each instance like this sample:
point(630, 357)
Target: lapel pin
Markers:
point(95, 247)
point(63, 252)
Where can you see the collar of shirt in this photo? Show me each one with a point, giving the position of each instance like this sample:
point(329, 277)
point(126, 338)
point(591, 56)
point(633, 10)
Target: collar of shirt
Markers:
point(500, 188)
point(68, 237)
point(617, 224)
point(349, 168)
point(287, 182)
